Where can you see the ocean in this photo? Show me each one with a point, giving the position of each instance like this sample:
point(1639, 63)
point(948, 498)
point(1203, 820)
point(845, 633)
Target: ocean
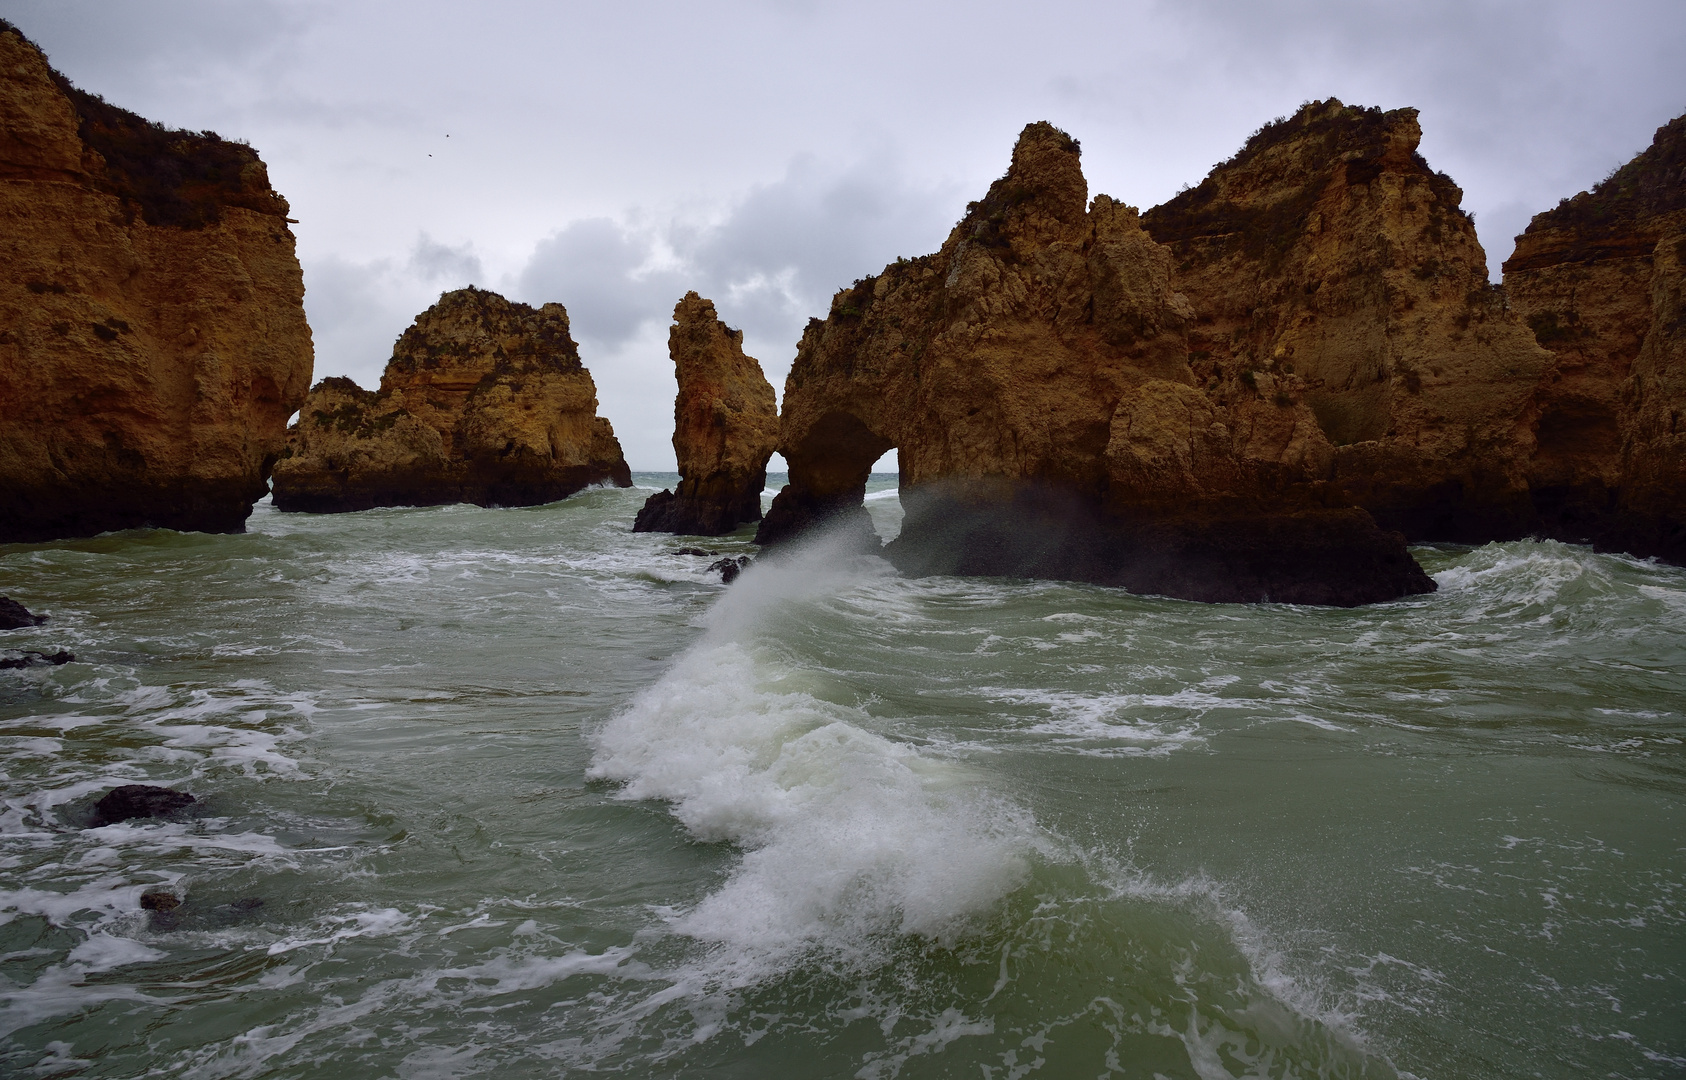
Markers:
point(519, 793)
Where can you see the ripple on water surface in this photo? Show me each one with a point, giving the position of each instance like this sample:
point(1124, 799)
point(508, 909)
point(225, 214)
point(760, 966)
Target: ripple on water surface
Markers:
point(513, 792)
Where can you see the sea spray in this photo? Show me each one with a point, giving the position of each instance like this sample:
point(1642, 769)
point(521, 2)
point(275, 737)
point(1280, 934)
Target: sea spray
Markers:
point(847, 834)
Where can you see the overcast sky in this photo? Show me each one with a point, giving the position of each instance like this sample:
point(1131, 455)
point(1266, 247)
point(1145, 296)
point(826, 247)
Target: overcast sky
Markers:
point(612, 156)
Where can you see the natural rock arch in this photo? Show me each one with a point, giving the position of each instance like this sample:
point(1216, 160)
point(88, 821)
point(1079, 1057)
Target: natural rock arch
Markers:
point(829, 467)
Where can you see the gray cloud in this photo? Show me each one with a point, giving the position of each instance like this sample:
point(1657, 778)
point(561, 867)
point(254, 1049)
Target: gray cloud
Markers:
point(771, 260)
point(432, 261)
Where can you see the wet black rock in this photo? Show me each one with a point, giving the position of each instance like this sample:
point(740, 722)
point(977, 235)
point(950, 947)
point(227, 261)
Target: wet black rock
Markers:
point(138, 801)
point(14, 615)
point(695, 551)
point(163, 906)
point(729, 567)
point(31, 658)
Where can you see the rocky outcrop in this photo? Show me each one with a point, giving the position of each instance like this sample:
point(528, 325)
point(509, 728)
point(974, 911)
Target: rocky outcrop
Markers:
point(152, 330)
point(725, 427)
point(14, 615)
point(33, 658)
point(1036, 377)
point(1328, 252)
point(131, 801)
point(1599, 280)
point(484, 401)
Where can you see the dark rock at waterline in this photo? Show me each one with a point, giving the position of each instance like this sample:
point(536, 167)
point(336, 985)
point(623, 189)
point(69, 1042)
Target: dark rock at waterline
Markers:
point(138, 801)
point(694, 551)
point(163, 906)
point(14, 615)
point(159, 901)
point(169, 912)
point(31, 658)
point(729, 567)
point(1334, 557)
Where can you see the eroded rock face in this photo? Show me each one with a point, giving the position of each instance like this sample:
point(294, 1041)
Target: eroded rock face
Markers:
point(1034, 375)
point(725, 427)
point(1327, 251)
point(152, 331)
point(1598, 279)
point(484, 401)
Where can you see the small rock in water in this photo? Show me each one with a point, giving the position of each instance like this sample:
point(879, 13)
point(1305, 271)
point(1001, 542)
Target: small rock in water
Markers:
point(14, 615)
point(31, 658)
point(160, 901)
point(730, 568)
point(138, 801)
point(695, 551)
point(247, 904)
point(163, 906)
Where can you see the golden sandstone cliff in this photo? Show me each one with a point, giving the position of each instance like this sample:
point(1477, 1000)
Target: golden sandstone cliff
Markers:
point(725, 427)
point(484, 401)
point(1327, 254)
point(1063, 406)
point(1264, 387)
point(1600, 280)
point(152, 330)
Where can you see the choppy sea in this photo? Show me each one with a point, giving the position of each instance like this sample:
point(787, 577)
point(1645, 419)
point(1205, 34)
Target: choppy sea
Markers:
point(518, 793)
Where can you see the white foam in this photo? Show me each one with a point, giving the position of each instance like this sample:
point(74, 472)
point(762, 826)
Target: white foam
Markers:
point(1111, 724)
point(848, 835)
point(102, 952)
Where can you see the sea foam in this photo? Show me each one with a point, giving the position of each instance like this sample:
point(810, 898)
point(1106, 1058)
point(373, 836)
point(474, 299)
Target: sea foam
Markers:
point(847, 835)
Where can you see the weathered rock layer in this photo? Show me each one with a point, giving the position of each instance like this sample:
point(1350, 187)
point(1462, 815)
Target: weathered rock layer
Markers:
point(725, 427)
point(1599, 279)
point(484, 401)
point(152, 331)
point(1052, 420)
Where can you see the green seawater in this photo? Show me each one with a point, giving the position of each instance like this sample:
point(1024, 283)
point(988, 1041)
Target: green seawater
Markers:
point(523, 794)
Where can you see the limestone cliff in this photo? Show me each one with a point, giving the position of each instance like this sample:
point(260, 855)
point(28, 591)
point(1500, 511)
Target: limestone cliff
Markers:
point(725, 427)
point(152, 330)
point(1328, 251)
point(484, 401)
point(1599, 280)
point(1034, 375)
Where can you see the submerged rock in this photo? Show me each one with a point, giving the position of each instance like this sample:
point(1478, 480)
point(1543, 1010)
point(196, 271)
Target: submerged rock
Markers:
point(31, 658)
point(730, 567)
point(725, 427)
point(152, 330)
point(159, 901)
point(138, 801)
point(1600, 281)
point(484, 401)
point(14, 615)
point(1035, 377)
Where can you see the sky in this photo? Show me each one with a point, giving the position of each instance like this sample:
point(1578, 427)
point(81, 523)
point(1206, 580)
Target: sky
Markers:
point(768, 152)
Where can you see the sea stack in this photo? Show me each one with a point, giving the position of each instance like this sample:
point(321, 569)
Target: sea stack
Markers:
point(1036, 378)
point(725, 427)
point(484, 401)
point(152, 330)
point(1600, 280)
